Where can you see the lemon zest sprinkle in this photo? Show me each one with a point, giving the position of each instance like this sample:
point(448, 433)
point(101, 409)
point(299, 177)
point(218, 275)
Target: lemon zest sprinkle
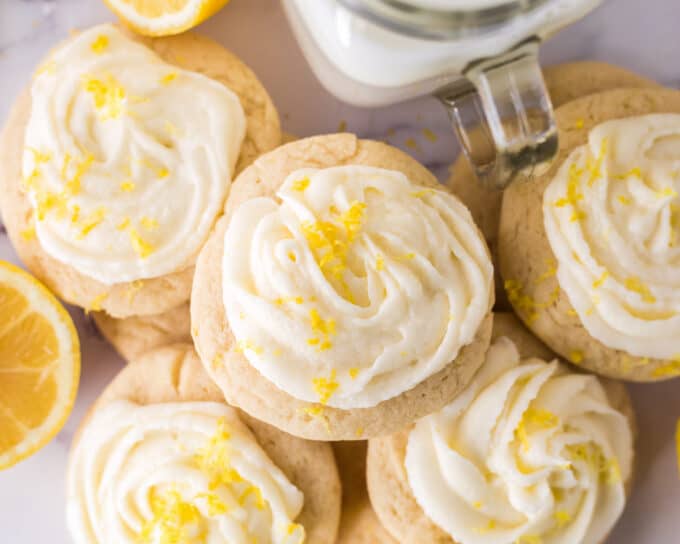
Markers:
point(96, 303)
point(248, 344)
point(633, 283)
point(562, 517)
point(132, 290)
point(359, 432)
point(528, 539)
point(534, 419)
point(141, 246)
point(108, 96)
point(148, 223)
point(625, 200)
point(40, 157)
point(28, 234)
point(252, 490)
point(172, 516)
point(124, 224)
point(325, 387)
point(431, 136)
point(668, 370)
point(423, 192)
point(600, 281)
point(317, 412)
point(379, 263)
point(579, 124)
point(576, 356)
point(100, 44)
point(216, 506)
point(353, 372)
point(301, 184)
point(213, 458)
point(168, 78)
point(477, 505)
point(127, 186)
point(92, 222)
point(549, 273)
point(489, 527)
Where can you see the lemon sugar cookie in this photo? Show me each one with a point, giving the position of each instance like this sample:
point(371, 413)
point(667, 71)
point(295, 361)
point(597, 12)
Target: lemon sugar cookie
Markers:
point(116, 164)
point(162, 458)
point(344, 294)
point(589, 250)
point(529, 452)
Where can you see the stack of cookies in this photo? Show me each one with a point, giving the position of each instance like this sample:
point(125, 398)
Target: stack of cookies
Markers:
point(275, 298)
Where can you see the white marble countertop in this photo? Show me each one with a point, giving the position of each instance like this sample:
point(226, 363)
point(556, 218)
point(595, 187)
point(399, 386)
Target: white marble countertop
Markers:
point(639, 35)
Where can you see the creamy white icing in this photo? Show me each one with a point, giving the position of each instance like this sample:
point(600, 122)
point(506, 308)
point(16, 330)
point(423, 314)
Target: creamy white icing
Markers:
point(529, 453)
point(612, 216)
point(128, 159)
point(356, 286)
point(176, 473)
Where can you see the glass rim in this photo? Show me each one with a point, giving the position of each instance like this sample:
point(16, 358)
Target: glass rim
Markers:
point(434, 24)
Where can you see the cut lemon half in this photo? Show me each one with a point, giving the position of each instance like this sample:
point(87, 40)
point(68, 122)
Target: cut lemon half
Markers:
point(164, 17)
point(39, 365)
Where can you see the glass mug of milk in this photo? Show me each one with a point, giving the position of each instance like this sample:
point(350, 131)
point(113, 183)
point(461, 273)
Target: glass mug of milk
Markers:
point(479, 57)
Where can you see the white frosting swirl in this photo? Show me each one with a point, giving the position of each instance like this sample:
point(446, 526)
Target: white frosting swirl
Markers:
point(356, 287)
point(176, 473)
point(529, 453)
point(612, 216)
point(128, 159)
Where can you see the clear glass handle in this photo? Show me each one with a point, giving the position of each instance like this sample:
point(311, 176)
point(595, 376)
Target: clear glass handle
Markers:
point(503, 116)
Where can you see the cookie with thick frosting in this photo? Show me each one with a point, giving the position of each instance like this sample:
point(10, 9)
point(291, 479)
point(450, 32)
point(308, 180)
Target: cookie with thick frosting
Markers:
point(589, 250)
point(344, 294)
point(530, 452)
point(115, 164)
point(565, 82)
point(136, 335)
point(162, 458)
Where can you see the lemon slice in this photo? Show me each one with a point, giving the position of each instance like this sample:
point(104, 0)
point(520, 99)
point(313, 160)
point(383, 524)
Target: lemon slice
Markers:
point(39, 365)
point(164, 17)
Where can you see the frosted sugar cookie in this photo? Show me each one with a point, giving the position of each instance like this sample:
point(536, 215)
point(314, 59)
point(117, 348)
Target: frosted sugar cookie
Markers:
point(530, 452)
point(344, 294)
point(134, 336)
point(162, 458)
point(116, 164)
point(565, 82)
point(590, 251)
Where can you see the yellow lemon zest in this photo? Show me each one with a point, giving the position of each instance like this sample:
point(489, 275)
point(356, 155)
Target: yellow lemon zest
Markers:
point(600, 281)
point(324, 329)
point(250, 491)
point(73, 184)
point(301, 184)
point(163, 172)
point(31, 182)
point(534, 419)
point(666, 192)
point(359, 432)
point(127, 186)
point(95, 304)
point(108, 95)
point(100, 44)
point(48, 67)
point(590, 453)
point(248, 344)
point(92, 222)
point(75, 214)
point(39, 156)
point(573, 195)
point(141, 246)
point(124, 224)
point(213, 459)
point(217, 362)
point(576, 356)
point(168, 78)
point(412, 144)
point(595, 170)
point(668, 370)
point(477, 505)
point(579, 124)
point(562, 517)
point(625, 200)
point(633, 283)
point(353, 372)
point(379, 263)
point(172, 518)
point(325, 387)
point(216, 506)
point(285, 300)
point(423, 192)
point(28, 234)
point(633, 172)
point(292, 256)
point(317, 412)
point(489, 527)
point(148, 223)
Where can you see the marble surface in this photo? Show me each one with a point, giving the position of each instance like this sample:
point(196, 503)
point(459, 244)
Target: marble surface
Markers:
point(639, 35)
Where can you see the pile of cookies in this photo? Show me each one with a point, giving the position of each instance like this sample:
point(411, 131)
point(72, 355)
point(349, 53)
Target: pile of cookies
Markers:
point(280, 304)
